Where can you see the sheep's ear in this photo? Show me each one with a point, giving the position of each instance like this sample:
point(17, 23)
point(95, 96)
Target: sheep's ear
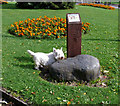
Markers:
point(61, 48)
point(54, 50)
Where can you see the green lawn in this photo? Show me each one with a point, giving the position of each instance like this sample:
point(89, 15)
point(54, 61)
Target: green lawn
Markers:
point(19, 77)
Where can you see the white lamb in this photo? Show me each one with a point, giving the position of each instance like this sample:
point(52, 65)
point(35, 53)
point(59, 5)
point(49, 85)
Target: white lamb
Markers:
point(46, 59)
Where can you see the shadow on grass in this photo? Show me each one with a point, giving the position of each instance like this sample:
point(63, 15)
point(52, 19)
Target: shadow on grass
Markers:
point(24, 62)
point(24, 59)
point(25, 66)
point(27, 63)
point(8, 36)
point(102, 39)
point(44, 74)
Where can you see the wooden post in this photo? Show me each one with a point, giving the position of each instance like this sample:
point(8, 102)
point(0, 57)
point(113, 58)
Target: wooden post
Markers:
point(74, 26)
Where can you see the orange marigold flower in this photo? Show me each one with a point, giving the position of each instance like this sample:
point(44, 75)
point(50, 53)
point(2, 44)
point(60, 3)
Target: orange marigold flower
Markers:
point(87, 26)
point(12, 25)
point(16, 23)
point(43, 24)
point(55, 18)
point(26, 29)
point(30, 34)
point(33, 19)
point(49, 34)
point(49, 28)
point(21, 34)
point(63, 22)
point(68, 103)
point(45, 16)
point(84, 25)
point(29, 24)
point(56, 23)
point(87, 23)
point(54, 33)
point(65, 25)
point(38, 19)
point(54, 30)
point(61, 19)
point(28, 19)
point(83, 28)
point(33, 34)
point(46, 30)
point(35, 23)
point(17, 27)
point(40, 32)
point(47, 23)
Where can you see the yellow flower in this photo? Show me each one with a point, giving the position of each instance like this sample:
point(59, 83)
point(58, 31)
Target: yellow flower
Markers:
point(38, 33)
point(25, 21)
point(59, 28)
point(23, 30)
point(35, 29)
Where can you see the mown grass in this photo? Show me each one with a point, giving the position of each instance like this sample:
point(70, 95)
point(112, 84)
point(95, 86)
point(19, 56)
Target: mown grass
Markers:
point(17, 66)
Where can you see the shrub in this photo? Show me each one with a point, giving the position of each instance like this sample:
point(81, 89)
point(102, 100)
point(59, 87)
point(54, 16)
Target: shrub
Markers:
point(46, 5)
point(24, 5)
point(43, 28)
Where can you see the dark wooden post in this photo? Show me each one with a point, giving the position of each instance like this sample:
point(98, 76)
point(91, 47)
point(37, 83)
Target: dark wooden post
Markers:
point(74, 26)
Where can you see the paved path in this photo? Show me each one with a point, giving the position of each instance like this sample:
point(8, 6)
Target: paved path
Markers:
point(115, 6)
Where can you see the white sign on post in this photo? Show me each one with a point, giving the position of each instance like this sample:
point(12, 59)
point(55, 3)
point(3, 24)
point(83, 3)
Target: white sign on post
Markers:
point(73, 18)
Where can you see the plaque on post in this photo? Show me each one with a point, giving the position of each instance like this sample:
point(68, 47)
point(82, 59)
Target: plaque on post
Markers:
point(74, 26)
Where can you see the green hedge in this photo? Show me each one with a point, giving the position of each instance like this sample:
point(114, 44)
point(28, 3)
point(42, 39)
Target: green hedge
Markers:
point(45, 5)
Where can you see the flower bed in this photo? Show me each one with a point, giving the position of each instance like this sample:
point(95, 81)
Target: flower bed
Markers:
point(3, 2)
point(98, 5)
point(43, 28)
